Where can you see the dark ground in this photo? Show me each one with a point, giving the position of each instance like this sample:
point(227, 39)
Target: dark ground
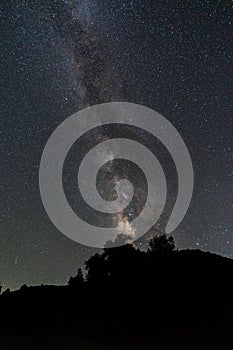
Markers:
point(162, 299)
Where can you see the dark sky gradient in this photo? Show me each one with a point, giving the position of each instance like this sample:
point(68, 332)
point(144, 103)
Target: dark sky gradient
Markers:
point(60, 56)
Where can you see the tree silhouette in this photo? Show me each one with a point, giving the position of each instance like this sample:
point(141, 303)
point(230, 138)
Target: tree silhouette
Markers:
point(77, 280)
point(161, 245)
point(112, 264)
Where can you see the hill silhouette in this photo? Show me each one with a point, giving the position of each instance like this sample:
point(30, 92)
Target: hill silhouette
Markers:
point(127, 298)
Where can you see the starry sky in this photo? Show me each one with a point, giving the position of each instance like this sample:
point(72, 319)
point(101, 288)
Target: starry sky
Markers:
point(58, 57)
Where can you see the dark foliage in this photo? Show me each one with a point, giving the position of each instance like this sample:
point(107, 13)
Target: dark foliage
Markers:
point(78, 280)
point(127, 290)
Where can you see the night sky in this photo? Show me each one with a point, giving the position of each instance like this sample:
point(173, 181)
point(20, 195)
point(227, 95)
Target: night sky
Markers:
point(58, 57)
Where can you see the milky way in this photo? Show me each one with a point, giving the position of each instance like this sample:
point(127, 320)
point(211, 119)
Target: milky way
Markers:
point(60, 56)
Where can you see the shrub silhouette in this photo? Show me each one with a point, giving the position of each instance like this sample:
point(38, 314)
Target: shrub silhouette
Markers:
point(161, 245)
point(78, 280)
